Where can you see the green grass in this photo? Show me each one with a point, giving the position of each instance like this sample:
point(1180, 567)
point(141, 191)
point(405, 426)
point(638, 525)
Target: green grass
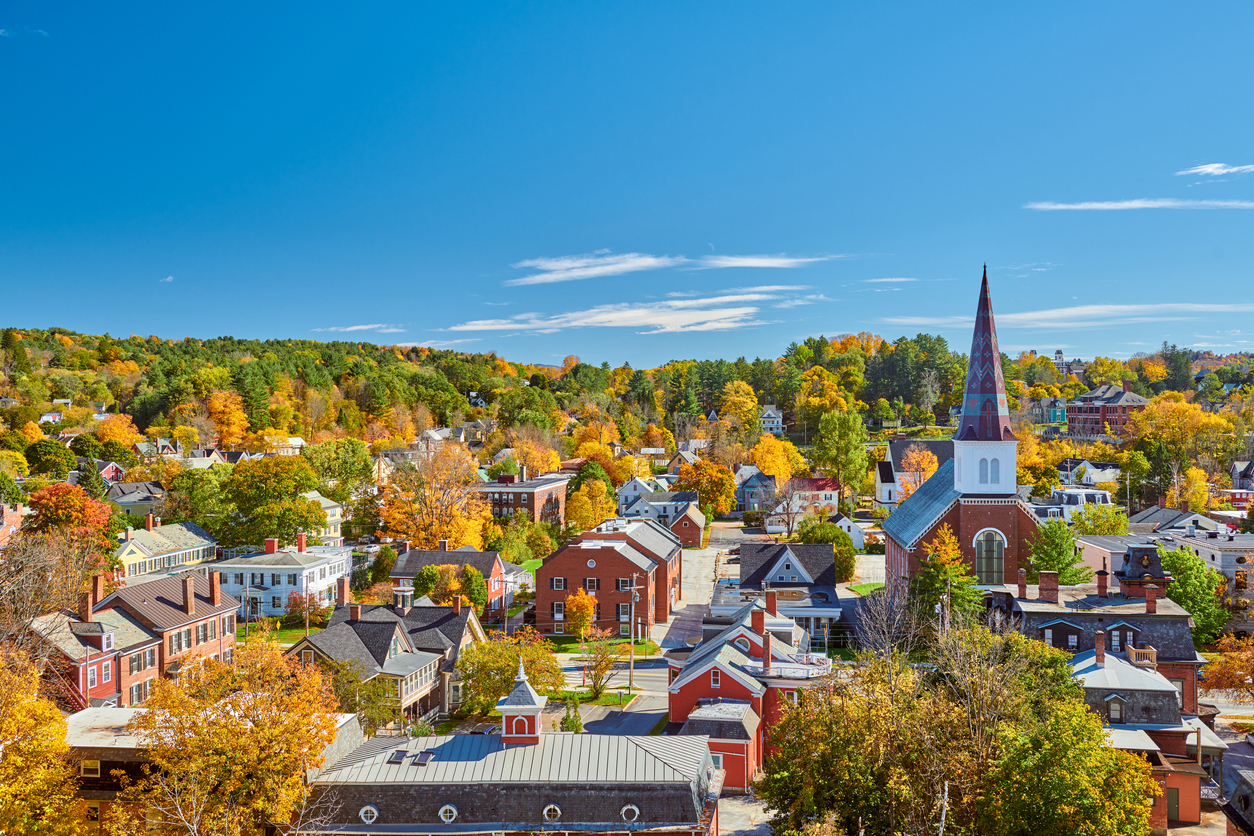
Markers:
point(570, 644)
point(608, 697)
point(866, 588)
point(660, 725)
point(531, 566)
point(845, 654)
point(516, 609)
point(284, 636)
point(446, 727)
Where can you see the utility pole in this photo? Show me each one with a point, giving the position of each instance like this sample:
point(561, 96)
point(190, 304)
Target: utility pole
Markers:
point(631, 624)
point(248, 606)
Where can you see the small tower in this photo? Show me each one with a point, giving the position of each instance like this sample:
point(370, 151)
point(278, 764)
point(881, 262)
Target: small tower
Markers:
point(520, 711)
point(985, 447)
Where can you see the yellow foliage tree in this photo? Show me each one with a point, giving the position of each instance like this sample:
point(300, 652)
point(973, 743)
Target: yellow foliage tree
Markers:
point(1106, 370)
point(1192, 487)
point(739, 401)
point(36, 783)
point(31, 432)
point(779, 458)
point(580, 612)
point(917, 466)
point(537, 458)
point(434, 499)
point(591, 505)
point(119, 428)
point(1185, 429)
point(226, 410)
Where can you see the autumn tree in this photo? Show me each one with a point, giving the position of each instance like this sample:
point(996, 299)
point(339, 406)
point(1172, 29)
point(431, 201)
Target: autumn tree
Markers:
point(226, 410)
point(474, 588)
point(305, 609)
point(229, 745)
point(917, 466)
point(265, 501)
point(118, 428)
point(738, 401)
point(580, 612)
point(373, 700)
point(714, 484)
point(943, 585)
point(37, 786)
point(435, 499)
point(1054, 550)
point(840, 449)
point(1230, 673)
point(591, 505)
point(1092, 518)
point(1200, 590)
point(69, 508)
point(601, 656)
point(43, 572)
point(488, 668)
point(779, 458)
point(343, 467)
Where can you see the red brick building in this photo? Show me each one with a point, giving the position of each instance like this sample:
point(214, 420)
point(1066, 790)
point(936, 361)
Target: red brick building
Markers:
point(543, 498)
point(689, 526)
point(409, 562)
point(1089, 415)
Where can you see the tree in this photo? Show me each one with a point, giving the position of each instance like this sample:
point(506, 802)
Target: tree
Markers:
point(488, 668)
point(590, 506)
point(591, 470)
point(600, 660)
point(37, 787)
point(435, 499)
point(1199, 589)
point(426, 581)
point(943, 585)
point(1231, 672)
point(572, 721)
point(343, 467)
point(917, 466)
point(87, 446)
point(580, 612)
point(118, 428)
point(69, 508)
point(90, 480)
point(305, 609)
point(112, 451)
point(381, 567)
point(840, 449)
point(265, 499)
point(1092, 518)
point(777, 457)
point(50, 458)
point(1054, 549)
point(226, 410)
point(373, 700)
point(13, 463)
point(474, 588)
point(714, 484)
point(506, 466)
point(10, 493)
point(229, 744)
point(813, 528)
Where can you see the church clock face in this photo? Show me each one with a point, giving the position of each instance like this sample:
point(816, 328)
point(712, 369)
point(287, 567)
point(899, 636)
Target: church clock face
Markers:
point(1145, 560)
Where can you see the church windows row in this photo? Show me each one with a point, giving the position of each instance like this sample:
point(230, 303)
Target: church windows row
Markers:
point(990, 471)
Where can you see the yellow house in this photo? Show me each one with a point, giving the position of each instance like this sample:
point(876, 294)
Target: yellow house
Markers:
point(331, 535)
point(158, 548)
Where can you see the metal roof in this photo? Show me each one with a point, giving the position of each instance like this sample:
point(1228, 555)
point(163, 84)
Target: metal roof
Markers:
point(922, 509)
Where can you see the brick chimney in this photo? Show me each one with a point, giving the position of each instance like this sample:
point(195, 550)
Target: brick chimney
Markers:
point(522, 473)
point(1099, 648)
point(1023, 584)
point(1162, 502)
point(354, 612)
point(272, 545)
point(341, 592)
point(301, 540)
point(189, 594)
point(1047, 589)
point(1184, 505)
point(1102, 589)
point(1151, 598)
point(402, 547)
point(215, 589)
point(757, 623)
point(85, 604)
point(148, 522)
point(444, 545)
point(457, 604)
point(97, 589)
point(772, 602)
point(1127, 386)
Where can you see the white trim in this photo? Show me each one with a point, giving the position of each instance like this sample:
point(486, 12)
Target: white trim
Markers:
point(705, 668)
point(797, 567)
point(1005, 540)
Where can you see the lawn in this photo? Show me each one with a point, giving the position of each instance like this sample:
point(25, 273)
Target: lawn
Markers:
point(608, 697)
point(284, 636)
point(531, 566)
point(866, 588)
point(661, 725)
point(570, 644)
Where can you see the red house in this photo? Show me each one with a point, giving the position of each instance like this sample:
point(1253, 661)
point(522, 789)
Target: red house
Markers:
point(409, 562)
point(732, 687)
point(609, 569)
point(689, 526)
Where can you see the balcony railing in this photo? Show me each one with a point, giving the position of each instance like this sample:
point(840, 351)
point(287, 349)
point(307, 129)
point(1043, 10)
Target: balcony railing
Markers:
point(812, 667)
point(1142, 656)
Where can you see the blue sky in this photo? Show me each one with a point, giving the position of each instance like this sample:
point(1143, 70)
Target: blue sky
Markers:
point(631, 182)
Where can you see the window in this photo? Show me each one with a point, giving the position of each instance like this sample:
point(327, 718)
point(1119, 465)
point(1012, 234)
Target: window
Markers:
point(91, 677)
point(624, 584)
point(1179, 683)
point(213, 629)
point(742, 643)
point(1115, 710)
point(307, 656)
point(718, 759)
point(983, 471)
point(368, 814)
point(557, 584)
point(291, 580)
point(276, 579)
point(448, 813)
point(1073, 641)
point(630, 812)
point(1049, 636)
point(89, 769)
point(276, 601)
point(187, 637)
point(228, 624)
point(791, 696)
point(176, 642)
point(552, 813)
point(108, 641)
point(592, 584)
point(93, 811)
point(239, 578)
point(624, 612)
point(989, 549)
point(1114, 641)
point(150, 658)
point(559, 611)
point(624, 629)
point(1242, 580)
point(715, 678)
point(137, 694)
point(106, 672)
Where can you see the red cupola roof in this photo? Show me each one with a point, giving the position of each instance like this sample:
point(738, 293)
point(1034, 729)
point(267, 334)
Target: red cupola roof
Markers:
point(985, 413)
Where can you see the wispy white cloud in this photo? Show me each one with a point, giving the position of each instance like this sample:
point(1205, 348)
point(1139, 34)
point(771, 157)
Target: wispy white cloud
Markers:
point(766, 288)
point(1085, 316)
point(439, 343)
point(1216, 170)
point(603, 263)
point(380, 327)
point(1142, 203)
point(888, 281)
point(497, 304)
point(167, 279)
point(804, 300)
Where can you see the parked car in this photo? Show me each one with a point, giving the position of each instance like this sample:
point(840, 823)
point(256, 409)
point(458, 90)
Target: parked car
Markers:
point(486, 728)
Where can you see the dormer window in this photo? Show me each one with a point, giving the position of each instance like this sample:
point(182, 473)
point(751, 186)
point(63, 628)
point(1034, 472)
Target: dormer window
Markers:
point(1114, 710)
point(107, 641)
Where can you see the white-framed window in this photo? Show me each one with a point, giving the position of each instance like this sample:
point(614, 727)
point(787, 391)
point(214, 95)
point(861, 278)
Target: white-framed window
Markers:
point(1049, 636)
point(624, 629)
point(1073, 641)
point(557, 584)
point(276, 601)
point(108, 641)
point(791, 696)
point(91, 677)
point(1179, 683)
point(717, 758)
point(552, 813)
point(291, 580)
point(624, 584)
point(559, 611)
point(368, 814)
point(1115, 710)
point(592, 584)
point(1114, 641)
point(106, 672)
point(624, 612)
point(559, 628)
point(89, 769)
point(716, 678)
point(995, 471)
point(92, 811)
point(448, 814)
point(983, 471)
point(307, 656)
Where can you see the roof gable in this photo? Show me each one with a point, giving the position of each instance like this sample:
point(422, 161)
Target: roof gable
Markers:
point(913, 518)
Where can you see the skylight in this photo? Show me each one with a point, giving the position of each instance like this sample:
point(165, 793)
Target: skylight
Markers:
point(397, 757)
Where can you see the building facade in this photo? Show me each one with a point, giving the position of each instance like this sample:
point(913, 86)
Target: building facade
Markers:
point(264, 581)
point(543, 498)
point(1103, 412)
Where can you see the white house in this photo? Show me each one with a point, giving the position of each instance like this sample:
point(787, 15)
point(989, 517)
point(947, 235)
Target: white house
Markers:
point(772, 419)
point(266, 578)
point(633, 488)
point(665, 506)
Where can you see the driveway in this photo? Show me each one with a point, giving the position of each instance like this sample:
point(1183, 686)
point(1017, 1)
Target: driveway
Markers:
point(742, 815)
point(639, 718)
point(700, 566)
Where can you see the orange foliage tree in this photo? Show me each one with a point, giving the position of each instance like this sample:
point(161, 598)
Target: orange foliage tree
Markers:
point(69, 508)
point(917, 466)
point(226, 410)
point(580, 612)
point(119, 428)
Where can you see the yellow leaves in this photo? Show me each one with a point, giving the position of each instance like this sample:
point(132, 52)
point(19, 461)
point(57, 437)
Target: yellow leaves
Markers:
point(739, 402)
point(580, 612)
point(1193, 488)
point(1105, 370)
point(917, 465)
point(537, 458)
point(268, 440)
point(119, 428)
point(1183, 427)
point(779, 458)
point(591, 505)
point(434, 500)
point(31, 432)
point(1149, 369)
point(226, 410)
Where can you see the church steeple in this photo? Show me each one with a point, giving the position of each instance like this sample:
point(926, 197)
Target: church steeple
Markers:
point(985, 412)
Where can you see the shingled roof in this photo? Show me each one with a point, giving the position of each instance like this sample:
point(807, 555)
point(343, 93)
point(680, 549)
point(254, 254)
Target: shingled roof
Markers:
point(756, 560)
point(409, 563)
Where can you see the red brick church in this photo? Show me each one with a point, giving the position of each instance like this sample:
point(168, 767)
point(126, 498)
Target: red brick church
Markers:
point(975, 492)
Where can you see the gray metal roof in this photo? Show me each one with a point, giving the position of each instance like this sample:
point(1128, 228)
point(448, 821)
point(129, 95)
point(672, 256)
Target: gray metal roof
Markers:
point(941, 448)
point(160, 601)
point(1117, 674)
point(913, 518)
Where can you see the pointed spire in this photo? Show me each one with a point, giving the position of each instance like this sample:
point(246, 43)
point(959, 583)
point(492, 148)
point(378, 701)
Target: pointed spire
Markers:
point(522, 673)
point(985, 411)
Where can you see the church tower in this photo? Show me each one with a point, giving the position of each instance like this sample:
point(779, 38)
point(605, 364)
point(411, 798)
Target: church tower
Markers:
point(984, 446)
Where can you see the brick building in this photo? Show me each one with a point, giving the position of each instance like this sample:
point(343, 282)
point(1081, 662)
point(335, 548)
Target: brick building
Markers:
point(603, 562)
point(689, 526)
point(409, 562)
point(543, 498)
point(1089, 415)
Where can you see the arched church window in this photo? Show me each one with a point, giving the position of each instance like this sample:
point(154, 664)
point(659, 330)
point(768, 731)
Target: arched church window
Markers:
point(983, 471)
point(990, 549)
point(994, 474)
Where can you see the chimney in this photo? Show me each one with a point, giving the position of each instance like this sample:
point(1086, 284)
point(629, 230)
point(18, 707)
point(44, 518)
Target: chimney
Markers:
point(522, 473)
point(156, 522)
point(457, 604)
point(341, 592)
point(148, 522)
point(215, 589)
point(1127, 386)
point(1102, 590)
point(354, 612)
point(189, 594)
point(1151, 598)
point(1162, 502)
point(130, 534)
point(772, 602)
point(1023, 584)
point(272, 545)
point(301, 540)
point(444, 545)
point(1047, 587)
point(402, 547)
point(97, 589)
point(757, 622)
point(85, 603)
point(1099, 648)
point(1184, 505)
